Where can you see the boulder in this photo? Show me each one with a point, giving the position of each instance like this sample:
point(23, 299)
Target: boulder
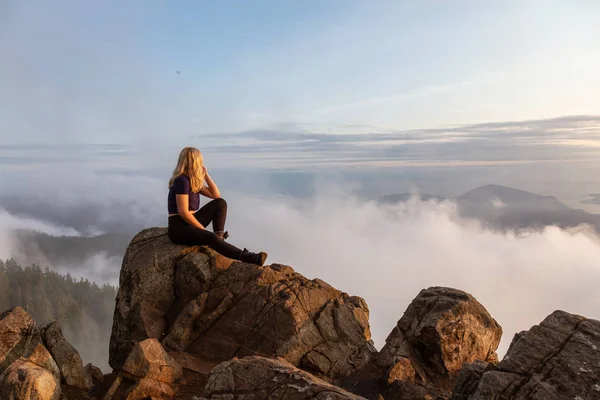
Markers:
point(94, 372)
point(148, 360)
point(557, 359)
point(257, 378)
point(148, 372)
point(402, 370)
point(146, 292)
point(25, 380)
point(42, 358)
point(18, 336)
point(196, 301)
point(66, 357)
point(441, 330)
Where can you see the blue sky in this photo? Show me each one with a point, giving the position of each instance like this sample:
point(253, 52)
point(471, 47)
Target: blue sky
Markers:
point(106, 72)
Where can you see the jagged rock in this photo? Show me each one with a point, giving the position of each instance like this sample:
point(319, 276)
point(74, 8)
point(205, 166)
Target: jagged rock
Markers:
point(557, 359)
point(42, 358)
point(146, 292)
point(25, 380)
point(150, 389)
point(148, 360)
point(469, 376)
point(94, 372)
point(442, 330)
point(402, 370)
point(68, 359)
point(17, 336)
point(197, 301)
point(256, 377)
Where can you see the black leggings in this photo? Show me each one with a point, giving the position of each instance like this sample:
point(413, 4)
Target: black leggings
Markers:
point(215, 211)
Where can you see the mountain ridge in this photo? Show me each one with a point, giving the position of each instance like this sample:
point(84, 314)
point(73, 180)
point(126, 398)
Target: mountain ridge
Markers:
point(504, 208)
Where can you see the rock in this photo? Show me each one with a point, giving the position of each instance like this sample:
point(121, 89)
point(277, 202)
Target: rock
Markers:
point(401, 371)
point(67, 358)
point(469, 376)
point(148, 360)
point(42, 358)
point(557, 359)
point(17, 336)
point(25, 380)
point(442, 330)
point(150, 389)
point(256, 377)
point(94, 372)
point(146, 292)
point(404, 390)
point(194, 300)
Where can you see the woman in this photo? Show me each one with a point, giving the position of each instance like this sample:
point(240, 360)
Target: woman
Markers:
point(187, 223)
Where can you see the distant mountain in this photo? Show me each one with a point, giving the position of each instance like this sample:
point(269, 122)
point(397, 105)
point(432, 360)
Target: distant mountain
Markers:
point(503, 208)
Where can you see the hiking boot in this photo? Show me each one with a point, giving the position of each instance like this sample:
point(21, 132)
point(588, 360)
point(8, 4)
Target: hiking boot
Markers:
point(253, 258)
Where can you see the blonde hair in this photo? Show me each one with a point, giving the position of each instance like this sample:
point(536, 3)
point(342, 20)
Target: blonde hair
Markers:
point(190, 163)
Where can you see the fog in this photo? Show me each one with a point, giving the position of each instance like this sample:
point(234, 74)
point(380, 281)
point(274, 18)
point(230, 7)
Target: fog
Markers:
point(9, 248)
point(388, 253)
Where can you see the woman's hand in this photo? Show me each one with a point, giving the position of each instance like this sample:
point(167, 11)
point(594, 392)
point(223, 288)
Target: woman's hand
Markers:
point(211, 190)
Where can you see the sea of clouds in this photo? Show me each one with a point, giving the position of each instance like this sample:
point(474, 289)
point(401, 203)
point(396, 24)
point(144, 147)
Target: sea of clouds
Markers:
point(383, 253)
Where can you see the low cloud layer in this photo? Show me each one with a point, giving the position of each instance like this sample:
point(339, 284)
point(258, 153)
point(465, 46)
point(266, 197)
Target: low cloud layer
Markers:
point(387, 254)
point(384, 253)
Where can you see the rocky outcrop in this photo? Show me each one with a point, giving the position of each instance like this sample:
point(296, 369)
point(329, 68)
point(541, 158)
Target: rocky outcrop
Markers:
point(35, 361)
point(557, 359)
point(441, 330)
point(192, 324)
point(196, 301)
point(254, 378)
point(68, 359)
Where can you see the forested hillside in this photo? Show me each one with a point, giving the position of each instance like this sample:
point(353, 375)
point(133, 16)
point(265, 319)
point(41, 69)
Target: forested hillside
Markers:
point(83, 308)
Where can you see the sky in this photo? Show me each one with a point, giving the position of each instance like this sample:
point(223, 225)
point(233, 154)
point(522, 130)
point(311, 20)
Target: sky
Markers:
point(151, 71)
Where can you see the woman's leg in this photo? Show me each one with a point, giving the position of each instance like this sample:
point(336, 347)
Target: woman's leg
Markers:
point(181, 232)
point(214, 211)
point(192, 236)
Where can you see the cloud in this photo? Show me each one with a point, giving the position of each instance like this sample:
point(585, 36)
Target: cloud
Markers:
point(9, 223)
point(384, 253)
point(420, 92)
point(565, 140)
point(387, 254)
point(593, 198)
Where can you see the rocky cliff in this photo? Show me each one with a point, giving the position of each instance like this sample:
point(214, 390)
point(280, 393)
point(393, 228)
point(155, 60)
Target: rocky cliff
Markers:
point(192, 324)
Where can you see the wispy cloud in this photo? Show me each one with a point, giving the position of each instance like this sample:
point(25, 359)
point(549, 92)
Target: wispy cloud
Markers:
point(411, 94)
point(567, 139)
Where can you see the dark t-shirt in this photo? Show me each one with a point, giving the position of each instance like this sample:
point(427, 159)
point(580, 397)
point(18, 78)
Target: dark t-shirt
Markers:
point(181, 185)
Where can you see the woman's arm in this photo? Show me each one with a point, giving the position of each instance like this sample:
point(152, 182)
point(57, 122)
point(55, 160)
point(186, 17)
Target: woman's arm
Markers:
point(212, 191)
point(184, 210)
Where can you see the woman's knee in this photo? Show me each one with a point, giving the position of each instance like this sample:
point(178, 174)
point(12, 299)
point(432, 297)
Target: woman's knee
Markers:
point(210, 239)
point(220, 203)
